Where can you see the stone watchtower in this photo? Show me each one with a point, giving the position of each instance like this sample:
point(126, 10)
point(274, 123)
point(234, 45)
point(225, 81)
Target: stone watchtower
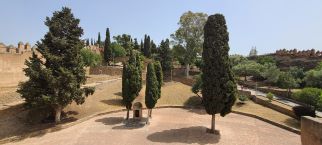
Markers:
point(20, 47)
point(27, 47)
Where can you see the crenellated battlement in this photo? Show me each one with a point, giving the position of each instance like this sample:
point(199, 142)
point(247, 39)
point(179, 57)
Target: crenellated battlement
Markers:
point(301, 54)
point(20, 49)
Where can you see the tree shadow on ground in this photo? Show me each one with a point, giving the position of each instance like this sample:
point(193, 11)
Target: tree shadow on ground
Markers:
point(14, 124)
point(131, 124)
point(190, 135)
point(293, 123)
point(193, 101)
point(114, 102)
point(118, 94)
point(111, 120)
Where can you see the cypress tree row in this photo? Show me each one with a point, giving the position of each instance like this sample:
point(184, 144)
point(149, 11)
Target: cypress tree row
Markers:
point(159, 75)
point(107, 47)
point(218, 85)
point(56, 76)
point(151, 91)
point(147, 46)
point(131, 81)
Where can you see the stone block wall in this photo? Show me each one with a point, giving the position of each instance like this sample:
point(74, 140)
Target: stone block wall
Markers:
point(311, 131)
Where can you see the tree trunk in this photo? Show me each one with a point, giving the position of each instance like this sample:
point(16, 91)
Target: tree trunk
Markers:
point(288, 92)
point(150, 113)
point(127, 114)
point(245, 78)
point(213, 123)
point(187, 70)
point(58, 110)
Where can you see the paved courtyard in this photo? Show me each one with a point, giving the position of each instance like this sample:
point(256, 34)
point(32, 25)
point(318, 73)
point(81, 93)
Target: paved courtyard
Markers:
point(168, 126)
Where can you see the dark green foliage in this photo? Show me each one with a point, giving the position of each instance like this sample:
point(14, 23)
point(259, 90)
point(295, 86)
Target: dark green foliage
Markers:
point(90, 58)
point(159, 75)
point(107, 47)
point(165, 56)
point(218, 85)
point(154, 49)
point(265, 59)
point(142, 47)
point(151, 91)
point(199, 63)
point(313, 78)
point(196, 87)
point(242, 98)
point(87, 42)
point(236, 59)
point(147, 46)
point(310, 96)
point(131, 80)
point(98, 43)
point(287, 81)
point(56, 77)
point(247, 68)
point(300, 111)
point(136, 45)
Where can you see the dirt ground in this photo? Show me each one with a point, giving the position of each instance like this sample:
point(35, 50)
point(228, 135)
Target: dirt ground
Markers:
point(168, 126)
point(107, 97)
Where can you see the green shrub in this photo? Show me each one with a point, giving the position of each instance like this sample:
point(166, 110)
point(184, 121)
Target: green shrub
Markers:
point(118, 50)
point(270, 96)
point(91, 58)
point(303, 111)
point(242, 98)
point(310, 96)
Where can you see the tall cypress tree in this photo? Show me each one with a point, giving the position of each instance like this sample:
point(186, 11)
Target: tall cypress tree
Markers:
point(131, 82)
point(92, 41)
point(147, 46)
point(136, 45)
point(159, 75)
point(151, 91)
point(56, 77)
point(142, 47)
point(107, 47)
point(87, 42)
point(165, 56)
point(218, 87)
point(99, 40)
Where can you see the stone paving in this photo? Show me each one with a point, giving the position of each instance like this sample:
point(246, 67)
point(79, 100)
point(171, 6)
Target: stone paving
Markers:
point(168, 126)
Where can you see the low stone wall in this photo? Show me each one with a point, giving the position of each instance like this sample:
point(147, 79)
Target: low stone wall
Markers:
point(273, 106)
point(311, 131)
point(106, 70)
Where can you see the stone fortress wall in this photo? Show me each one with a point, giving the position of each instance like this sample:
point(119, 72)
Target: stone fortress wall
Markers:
point(12, 60)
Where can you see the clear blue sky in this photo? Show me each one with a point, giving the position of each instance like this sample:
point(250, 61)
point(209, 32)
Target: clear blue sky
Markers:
point(268, 25)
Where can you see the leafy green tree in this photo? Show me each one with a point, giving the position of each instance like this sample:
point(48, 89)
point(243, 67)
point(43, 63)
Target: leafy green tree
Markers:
point(196, 87)
point(287, 81)
point(90, 58)
point(165, 55)
point(218, 84)
point(271, 73)
point(189, 37)
point(237, 59)
point(56, 77)
point(309, 96)
point(247, 68)
point(125, 41)
point(265, 60)
point(147, 46)
point(159, 75)
point(99, 42)
point(298, 74)
point(151, 91)
point(118, 50)
point(131, 82)
point(107, 48)
point(313, 78)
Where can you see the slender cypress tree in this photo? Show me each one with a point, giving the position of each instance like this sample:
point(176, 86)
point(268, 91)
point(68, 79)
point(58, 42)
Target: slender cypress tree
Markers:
point(107, 48)
point(147, 46)
point(131, 82)
point(56, 77)
point(136, 45)
point(165, 56)
point(151, 91)
point(159, 75)
point(142, 47)
point(218, 85)
point(87, 42)
point(99, 40)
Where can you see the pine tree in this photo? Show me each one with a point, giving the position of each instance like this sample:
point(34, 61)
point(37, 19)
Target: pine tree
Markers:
point(87, 42)
point(107, 48)
point(159, 75)
point(218, 85)
point(151, 91)
point(165, 56)
point(99, 40)
point(56, 76)
point(131, 82)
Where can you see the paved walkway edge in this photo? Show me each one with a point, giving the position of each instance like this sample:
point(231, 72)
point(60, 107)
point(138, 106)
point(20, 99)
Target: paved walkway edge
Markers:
point(64, 126)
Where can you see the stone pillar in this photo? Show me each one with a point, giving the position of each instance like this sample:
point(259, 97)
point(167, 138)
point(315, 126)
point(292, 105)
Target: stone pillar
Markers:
point(311, 131)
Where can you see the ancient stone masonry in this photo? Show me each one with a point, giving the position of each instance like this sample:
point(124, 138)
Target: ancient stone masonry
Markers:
point(12, 62)
point(296, 53)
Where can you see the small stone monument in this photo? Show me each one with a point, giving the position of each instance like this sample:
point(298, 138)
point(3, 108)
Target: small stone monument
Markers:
point(137, 111)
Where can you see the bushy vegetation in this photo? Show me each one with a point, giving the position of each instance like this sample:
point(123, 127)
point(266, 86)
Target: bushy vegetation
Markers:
point(242, 98)
point(300, 111)
point(118, 50)
point(90, 58)
point(310, 96)
point(270, 96)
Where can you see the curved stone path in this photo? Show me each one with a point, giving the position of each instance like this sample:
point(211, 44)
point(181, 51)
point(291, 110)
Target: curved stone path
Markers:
point(168, 126)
